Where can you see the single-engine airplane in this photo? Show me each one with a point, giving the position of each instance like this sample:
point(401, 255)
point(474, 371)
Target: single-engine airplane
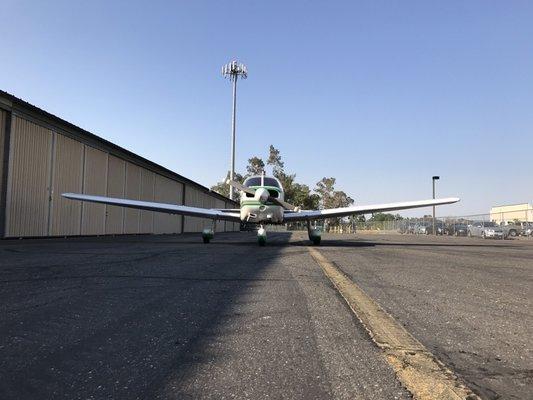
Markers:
point(262, 201)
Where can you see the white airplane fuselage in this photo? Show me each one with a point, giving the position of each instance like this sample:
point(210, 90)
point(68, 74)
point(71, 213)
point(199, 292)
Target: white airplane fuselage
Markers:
point(255, 209)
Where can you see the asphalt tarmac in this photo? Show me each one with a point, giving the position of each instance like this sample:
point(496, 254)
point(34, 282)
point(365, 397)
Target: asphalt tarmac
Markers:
point(167, 317)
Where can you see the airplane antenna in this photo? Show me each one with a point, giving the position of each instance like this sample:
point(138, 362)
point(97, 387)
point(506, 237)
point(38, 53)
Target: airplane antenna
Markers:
point(263, 178)
point(232, 71)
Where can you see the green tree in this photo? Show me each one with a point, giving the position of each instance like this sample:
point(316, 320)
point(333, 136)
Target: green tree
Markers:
point(303, 198)
point(274, 160)
point(379, 217)
point(331, 198)
point(223, 188)
point(325, 189)
point(298, 194)
point(255, 166)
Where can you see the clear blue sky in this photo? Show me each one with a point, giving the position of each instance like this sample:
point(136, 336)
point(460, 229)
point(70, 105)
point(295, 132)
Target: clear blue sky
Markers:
point(380, 95)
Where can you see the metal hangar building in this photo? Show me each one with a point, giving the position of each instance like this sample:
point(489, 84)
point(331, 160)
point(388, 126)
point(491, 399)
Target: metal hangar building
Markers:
point(42, 156)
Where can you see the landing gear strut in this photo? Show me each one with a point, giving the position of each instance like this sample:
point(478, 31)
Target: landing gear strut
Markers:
point(261, 236)
point(315, 235)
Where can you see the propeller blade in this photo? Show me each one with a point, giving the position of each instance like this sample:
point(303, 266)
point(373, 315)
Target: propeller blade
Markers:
point(240, 187)
point(284, 204)
point(251, 191)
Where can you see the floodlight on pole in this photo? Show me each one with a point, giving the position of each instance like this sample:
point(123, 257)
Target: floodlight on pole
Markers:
point(233, 71)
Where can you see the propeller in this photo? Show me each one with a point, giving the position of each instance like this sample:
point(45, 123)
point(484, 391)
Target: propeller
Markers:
point(262, 195)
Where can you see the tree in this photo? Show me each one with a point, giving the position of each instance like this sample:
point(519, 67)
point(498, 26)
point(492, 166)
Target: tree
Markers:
point(298, 194)
point(255, 166)
point(223, 188)
point(325, 188)
point(341, 199)
point(379, 217)
point(331, 198)
point(274, 160)
point(303, 198)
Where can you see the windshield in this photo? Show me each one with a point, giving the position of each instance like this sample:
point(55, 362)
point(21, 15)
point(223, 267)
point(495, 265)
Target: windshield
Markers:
point(256, 181)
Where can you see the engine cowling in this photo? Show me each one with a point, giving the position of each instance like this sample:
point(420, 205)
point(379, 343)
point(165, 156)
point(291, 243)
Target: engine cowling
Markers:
point(261, 195)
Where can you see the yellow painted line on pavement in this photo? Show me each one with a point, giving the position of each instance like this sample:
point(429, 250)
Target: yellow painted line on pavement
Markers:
point(416, 367)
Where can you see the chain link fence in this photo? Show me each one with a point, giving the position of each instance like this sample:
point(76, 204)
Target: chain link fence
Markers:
point(499, 224)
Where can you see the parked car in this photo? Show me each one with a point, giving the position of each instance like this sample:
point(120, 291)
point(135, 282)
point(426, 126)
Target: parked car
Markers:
point(486, 230)
point(517, 229)
point(426, 228)
point(404, 227)
point(526, 228)
point(456, 229)
point(420, 228)
point(512, 230)
point(411, 228)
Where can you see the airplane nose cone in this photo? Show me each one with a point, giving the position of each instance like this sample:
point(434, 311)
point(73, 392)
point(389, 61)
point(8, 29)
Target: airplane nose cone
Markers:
point(261, 195)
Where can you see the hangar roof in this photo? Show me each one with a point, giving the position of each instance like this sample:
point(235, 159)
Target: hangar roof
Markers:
point(19, 106)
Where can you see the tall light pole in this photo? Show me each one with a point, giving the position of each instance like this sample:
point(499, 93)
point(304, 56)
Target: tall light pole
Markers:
point(433, 179)
point(232, 71)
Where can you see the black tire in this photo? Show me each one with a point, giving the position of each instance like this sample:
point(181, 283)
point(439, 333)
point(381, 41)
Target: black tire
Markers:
point(206, 239)
point(512, 233)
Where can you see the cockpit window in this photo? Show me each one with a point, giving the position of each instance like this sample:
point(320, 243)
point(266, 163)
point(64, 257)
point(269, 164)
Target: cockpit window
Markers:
point(256, 181)
point(253, 181)
point(271, 182)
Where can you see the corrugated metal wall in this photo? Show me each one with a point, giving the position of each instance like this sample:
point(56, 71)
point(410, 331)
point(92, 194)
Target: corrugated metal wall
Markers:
point(44, 163)
point(195, 198)
point(28, 191)
point(167, 191)
point(95, 183)
point(133, 191)
point(116, 180)
point(231, 226)
point(3, 116)
point(146, 224)
point(67, 176)
point(221, 225)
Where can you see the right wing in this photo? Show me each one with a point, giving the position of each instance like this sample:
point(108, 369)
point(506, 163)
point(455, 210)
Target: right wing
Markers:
point(228, 215)
point(373, 208)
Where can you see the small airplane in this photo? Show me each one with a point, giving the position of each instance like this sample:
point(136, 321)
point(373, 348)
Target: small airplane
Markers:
point(262, 201)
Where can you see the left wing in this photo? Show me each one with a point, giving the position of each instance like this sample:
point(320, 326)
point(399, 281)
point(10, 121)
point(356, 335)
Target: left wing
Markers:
point(228, 215)
point(345, 211)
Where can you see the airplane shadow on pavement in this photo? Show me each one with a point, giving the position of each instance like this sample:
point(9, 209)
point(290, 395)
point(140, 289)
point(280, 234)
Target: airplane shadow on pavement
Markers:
point(141, 328)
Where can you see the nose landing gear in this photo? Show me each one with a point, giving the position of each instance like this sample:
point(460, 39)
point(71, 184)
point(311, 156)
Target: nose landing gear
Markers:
point(261, 236)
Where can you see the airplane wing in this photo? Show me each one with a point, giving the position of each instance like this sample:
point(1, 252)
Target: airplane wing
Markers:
point(228, 215)
point(373, 208)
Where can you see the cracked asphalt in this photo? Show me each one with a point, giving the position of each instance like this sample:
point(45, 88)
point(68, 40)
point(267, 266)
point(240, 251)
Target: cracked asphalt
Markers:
point(469, 301)
point(168, 317)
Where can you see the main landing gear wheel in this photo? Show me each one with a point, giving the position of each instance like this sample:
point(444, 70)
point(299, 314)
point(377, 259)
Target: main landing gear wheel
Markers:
point(207, 235)
point(316, 240)
point(315, 235)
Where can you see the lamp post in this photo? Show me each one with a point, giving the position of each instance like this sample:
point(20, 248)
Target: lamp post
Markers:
point(433, 179)
point(232, 71)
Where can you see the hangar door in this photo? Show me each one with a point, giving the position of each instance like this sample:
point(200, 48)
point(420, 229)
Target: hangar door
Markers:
point(30, 154)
